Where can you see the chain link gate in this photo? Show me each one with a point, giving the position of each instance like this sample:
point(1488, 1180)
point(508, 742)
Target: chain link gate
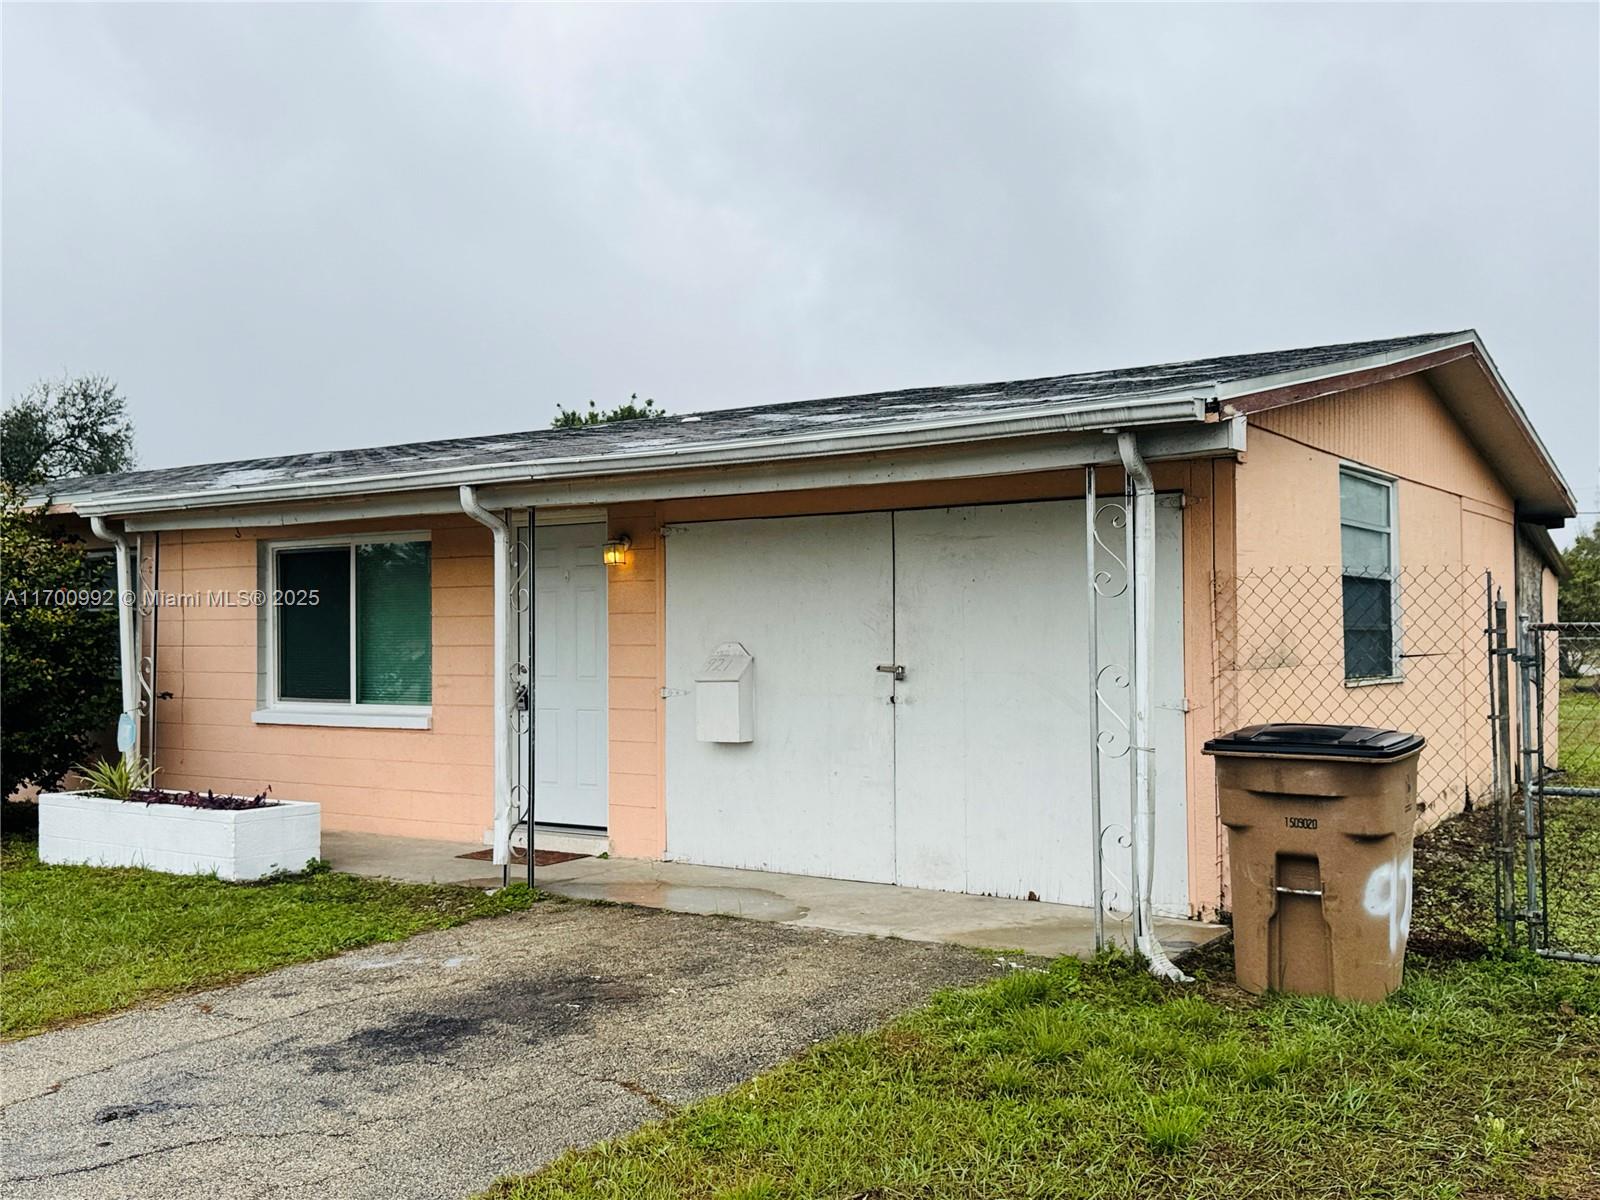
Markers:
point(1552, 887)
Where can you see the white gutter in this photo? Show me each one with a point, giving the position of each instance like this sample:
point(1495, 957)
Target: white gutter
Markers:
point(553, 497)
point(1154, 409)
point(503, 817)
point(1144, 809)
point(127, 651)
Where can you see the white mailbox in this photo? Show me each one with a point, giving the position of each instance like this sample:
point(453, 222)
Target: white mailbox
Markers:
point(724, 696)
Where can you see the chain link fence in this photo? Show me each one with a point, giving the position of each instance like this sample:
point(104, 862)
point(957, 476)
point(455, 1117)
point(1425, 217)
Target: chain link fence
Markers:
point(1414, 651)
point(1562, 670)
point(1408, 652)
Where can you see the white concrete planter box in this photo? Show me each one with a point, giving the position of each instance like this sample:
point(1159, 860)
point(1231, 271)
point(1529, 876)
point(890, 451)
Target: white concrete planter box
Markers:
point(79, 828)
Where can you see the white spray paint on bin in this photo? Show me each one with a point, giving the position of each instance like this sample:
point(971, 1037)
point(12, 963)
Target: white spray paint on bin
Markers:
point(1387, 896)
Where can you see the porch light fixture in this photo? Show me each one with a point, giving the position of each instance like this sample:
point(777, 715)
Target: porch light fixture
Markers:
point(615, 552)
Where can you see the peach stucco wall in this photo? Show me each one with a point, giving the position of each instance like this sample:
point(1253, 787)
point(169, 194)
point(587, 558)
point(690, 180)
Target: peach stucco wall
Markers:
point(1456, 521)
point(637, 615)
point(434, 783)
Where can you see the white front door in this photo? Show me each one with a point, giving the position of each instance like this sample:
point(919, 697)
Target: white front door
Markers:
point(569, 675)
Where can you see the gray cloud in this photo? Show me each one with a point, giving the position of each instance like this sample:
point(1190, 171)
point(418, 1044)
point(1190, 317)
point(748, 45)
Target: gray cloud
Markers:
point(290, 227)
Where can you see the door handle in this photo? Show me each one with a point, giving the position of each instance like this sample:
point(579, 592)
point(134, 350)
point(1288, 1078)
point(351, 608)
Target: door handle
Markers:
point(894, 669)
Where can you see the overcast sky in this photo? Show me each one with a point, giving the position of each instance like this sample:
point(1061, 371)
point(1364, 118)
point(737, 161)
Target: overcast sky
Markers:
point(302, 227)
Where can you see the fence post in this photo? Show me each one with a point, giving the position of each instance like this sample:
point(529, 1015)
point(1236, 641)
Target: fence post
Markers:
point(1528, 681)
point(1505, 875)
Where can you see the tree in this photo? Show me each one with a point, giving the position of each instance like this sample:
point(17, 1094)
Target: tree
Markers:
point(58, 648)
point(1580, 601)
point(572, 418)
point(58, 613)
point(60, 428)
point(1580, 590)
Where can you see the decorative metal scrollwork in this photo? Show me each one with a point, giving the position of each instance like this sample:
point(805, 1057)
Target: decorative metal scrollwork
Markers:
point(1113, 517)
point(1116, 891)
point(519, 707)
point(1115, 741)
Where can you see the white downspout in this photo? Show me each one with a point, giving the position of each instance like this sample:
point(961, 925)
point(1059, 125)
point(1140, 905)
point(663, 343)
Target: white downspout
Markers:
point(502, 746)
point(127, 651)
point(1144, 816)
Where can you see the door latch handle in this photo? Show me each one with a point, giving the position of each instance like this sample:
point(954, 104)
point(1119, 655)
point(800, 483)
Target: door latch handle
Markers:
point(894, 669)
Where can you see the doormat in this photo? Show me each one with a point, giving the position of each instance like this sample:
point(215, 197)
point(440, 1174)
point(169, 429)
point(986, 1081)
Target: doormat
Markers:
point(519, 857)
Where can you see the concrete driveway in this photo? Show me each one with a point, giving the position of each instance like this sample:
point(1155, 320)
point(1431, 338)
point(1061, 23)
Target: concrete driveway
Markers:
point(429, 1067)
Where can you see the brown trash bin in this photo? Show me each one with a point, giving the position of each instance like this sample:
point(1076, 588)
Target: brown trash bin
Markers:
point(1320, 821)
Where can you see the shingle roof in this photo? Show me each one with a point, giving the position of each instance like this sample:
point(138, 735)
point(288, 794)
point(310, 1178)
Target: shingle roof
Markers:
point(907, 407)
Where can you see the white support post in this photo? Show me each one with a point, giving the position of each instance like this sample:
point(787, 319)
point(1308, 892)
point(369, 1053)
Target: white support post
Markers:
point(1142, 572)
point(504, 657)
point(1096, 819)
point(127, 611)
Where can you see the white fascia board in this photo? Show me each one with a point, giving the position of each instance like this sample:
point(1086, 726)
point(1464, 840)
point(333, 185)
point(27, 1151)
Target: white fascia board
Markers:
point(409, 504)
point(1152, 409)
point(1192, 441)
point(236, 517)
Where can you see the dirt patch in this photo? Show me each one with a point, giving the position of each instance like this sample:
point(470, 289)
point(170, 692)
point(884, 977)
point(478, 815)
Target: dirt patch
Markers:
point(1453, 900)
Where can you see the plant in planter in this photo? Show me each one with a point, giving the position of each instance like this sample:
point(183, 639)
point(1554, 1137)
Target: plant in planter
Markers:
point(206, 799)
point(118, 780)
point(121, 820)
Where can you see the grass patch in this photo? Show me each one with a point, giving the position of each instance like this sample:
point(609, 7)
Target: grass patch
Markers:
point(1572, 823)
point(1572, 871)
point(1480, 1078)
point(1576, 744)
point(81, 941)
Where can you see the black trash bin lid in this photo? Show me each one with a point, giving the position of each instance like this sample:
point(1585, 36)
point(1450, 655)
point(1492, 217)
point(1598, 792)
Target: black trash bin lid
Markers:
point(1318, 741)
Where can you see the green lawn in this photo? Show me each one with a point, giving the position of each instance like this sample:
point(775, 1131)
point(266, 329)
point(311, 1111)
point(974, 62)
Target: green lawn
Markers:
point(1572, 824)
point(1481, 1078)
point(81, 941)
point(1578, 732)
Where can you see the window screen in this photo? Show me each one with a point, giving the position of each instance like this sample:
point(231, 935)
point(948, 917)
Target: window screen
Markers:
point(1366, 529)
point(394, 623)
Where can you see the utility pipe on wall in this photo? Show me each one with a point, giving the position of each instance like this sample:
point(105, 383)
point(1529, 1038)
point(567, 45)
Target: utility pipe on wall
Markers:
point(502, 658)
point(1142, 571)
point(127, 650)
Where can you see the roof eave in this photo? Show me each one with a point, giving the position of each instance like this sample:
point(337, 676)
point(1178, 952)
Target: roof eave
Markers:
point(1541, 493)
point(1188, 405)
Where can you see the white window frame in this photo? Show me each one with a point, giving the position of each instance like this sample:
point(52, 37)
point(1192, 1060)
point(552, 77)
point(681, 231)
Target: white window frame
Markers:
point(351, 713)
point(1396, 626)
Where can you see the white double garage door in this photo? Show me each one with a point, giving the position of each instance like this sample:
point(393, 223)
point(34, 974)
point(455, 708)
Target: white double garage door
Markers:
point(971, 773)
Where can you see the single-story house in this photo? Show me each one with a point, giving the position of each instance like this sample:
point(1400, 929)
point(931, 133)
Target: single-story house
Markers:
point(916, 637)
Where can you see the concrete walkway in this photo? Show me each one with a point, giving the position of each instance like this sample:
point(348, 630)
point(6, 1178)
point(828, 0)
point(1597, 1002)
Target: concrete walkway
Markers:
point(837, 905)
point(426, 1069)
